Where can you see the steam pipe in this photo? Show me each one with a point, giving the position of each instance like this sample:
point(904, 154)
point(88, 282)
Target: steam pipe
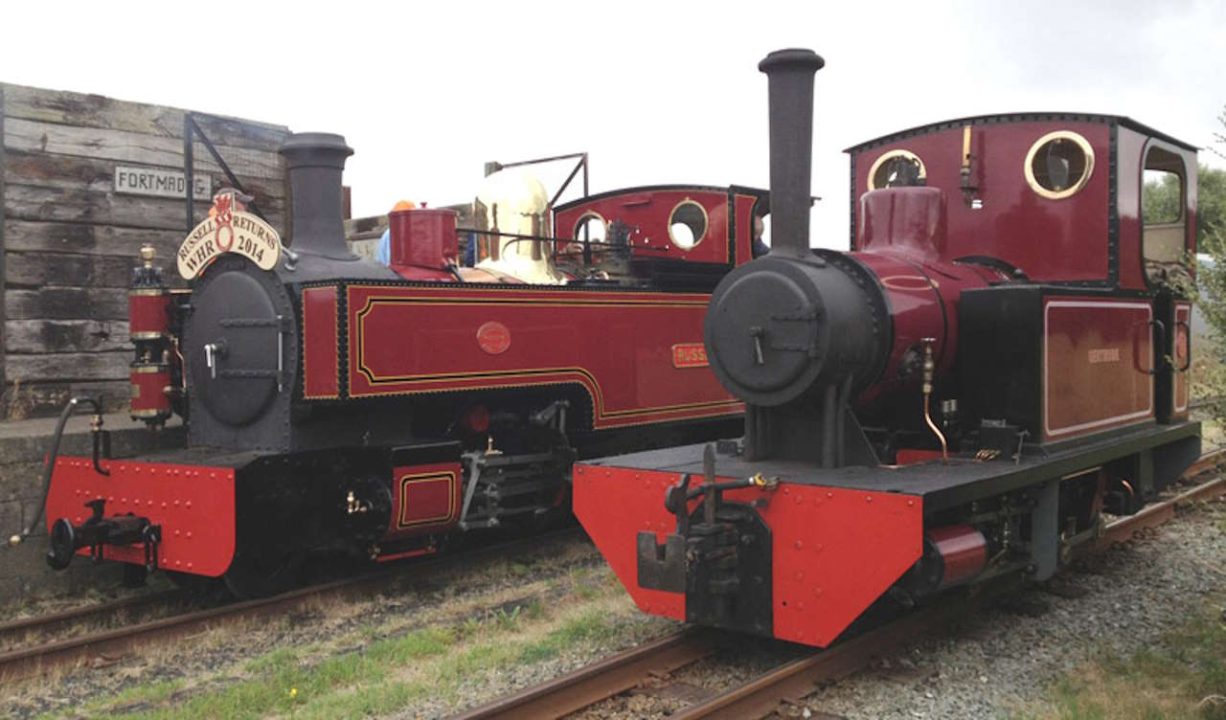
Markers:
point(790, 82)
point(315, 162)
point(54, 453)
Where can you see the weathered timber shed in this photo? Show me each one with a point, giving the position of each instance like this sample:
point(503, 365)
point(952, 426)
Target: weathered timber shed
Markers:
point(85, 181)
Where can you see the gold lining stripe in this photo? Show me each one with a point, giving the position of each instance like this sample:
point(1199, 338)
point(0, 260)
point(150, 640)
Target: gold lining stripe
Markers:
point(560, 375)
point(149, 369)
point(407, 480)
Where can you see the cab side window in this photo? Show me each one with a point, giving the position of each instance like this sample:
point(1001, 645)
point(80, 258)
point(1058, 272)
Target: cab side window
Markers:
point(1163, 214)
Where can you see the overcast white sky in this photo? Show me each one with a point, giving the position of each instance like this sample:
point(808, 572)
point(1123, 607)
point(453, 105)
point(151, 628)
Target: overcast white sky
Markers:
point(657, 91)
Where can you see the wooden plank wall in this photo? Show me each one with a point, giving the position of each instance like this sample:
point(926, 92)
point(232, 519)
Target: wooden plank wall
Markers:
point(69, 241)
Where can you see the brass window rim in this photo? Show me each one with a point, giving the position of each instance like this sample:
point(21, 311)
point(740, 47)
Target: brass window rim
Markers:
point(706, 224)
point(1086, 149)
point(885, 157)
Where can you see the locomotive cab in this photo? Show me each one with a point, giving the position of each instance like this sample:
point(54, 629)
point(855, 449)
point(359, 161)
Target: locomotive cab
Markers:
point(680, 236)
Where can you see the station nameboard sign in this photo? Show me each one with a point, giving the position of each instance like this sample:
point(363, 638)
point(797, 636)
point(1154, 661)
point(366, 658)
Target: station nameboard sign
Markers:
point(159, 182)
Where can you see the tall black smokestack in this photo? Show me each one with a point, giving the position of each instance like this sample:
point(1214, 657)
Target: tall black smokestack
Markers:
point(315, 162)
point(790, 77)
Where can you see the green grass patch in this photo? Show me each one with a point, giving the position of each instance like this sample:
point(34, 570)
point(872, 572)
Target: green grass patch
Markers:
point(282, 682)
point(1182, 677)
point(387, 674)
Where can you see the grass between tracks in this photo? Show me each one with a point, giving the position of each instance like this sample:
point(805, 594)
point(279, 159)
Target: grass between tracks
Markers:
point(1181, 676)
point(380, 675)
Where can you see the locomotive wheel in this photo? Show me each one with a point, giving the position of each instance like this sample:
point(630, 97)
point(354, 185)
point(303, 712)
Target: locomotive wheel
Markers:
point(255, 577)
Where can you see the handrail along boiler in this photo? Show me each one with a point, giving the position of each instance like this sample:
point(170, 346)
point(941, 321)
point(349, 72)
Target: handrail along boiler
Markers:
point(1000, 359)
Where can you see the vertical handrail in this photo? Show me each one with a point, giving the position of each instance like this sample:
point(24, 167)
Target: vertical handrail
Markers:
point(189, 163)
point(191, 128)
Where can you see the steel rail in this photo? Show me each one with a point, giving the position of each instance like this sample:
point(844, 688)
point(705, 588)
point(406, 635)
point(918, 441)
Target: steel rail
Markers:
point(791, 681)
point(599, 681)
point(97, 613)
point(28, 661)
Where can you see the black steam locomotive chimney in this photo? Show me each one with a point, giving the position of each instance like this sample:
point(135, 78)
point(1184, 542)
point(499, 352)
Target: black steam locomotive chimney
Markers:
point(790, 77)
point(315, 162)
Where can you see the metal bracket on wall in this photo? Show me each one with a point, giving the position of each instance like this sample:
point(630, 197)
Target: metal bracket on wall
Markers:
point(191, 130)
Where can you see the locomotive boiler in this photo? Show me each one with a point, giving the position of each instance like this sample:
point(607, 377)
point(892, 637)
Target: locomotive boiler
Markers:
point(337, 406)
point(999, 360)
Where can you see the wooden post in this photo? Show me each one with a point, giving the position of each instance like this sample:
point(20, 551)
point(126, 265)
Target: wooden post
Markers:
point(3, 252)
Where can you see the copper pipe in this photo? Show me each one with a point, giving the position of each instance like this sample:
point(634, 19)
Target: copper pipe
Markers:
point(929, 376)
point(936, 431)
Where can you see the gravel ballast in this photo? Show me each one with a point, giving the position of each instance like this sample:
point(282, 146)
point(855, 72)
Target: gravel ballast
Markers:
point(998, 663)
point(1002, 661)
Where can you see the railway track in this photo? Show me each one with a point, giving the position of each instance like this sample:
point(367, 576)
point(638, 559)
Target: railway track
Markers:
point(791, 681)
point(110, 644)
point(14, 632)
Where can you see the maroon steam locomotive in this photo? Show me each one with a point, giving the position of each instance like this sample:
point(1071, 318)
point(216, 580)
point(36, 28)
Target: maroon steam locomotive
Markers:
point(1000, 359)
point(336, 405)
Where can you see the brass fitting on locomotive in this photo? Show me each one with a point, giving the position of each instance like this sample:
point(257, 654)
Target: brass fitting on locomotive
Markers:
point(149, 315)
point(930, 371)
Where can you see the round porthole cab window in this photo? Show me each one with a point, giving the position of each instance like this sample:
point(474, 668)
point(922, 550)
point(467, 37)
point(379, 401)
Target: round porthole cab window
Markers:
point(897, 168)
point(1059, 164)
point(592, 227)
point(687, 224)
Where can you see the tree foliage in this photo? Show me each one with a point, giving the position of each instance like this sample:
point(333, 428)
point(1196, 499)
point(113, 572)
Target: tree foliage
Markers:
point(1209, 371)
point(1160, 199)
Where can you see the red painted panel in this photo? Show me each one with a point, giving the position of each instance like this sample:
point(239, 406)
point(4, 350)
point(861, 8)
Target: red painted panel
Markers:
point(923, 298)
point(149, 383)
point(425, 499)
point(835, 551)
point(744, 227)
point(1048, 239)
point(193, 504)
point(1128, 203)
point(647, 212)
point(320, 374)
point(1183, 349)
point(616, 346)
point(913, 456)
point(423, 238)
point(963, 550)
point(148, 313)
point(638, 499)
point(1095, 357)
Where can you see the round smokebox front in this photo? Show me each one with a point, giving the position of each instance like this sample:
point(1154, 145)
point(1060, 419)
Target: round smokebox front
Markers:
point(763, 331)
point(237, 337)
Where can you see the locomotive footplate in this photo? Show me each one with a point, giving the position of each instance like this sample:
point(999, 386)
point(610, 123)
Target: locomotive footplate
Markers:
point(157, 512)
point(1168, 450)
point(831, 541)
